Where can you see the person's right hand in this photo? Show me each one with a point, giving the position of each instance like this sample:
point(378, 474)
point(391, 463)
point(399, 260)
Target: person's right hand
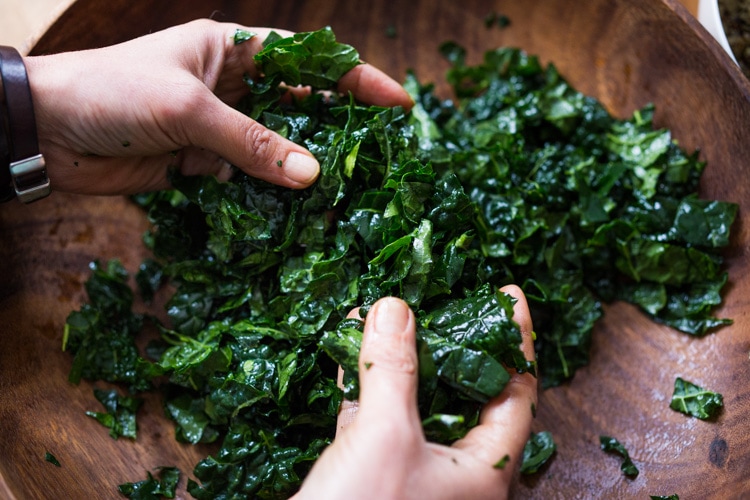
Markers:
point(111, 119)
point(380, 451)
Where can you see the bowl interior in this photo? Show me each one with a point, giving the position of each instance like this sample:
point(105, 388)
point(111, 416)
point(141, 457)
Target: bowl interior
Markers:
point(625, 53)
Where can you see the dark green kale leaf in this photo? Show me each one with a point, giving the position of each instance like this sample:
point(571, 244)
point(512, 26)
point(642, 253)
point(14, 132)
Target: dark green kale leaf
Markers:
point(101, 335)
point(342, 345)
point(665, 497)
point(613, 445)
point(120, 417)
point(151, 488)
point(312, 58)
point(696, 401)
point(242, 36)
point(537, 451)
point(49, 457)
point(494, 18)
point(192, 424)
point(150, 278)
point(472, 340)
point(254, 461)
point(465, 346)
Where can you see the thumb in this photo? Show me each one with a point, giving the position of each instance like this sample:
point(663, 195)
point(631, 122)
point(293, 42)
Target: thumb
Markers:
point(388, 365)
point(247, 144)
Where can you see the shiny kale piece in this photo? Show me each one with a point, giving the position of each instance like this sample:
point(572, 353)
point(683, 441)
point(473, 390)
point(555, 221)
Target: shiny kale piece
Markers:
point(611, 444)
point(694, 400)
point(120, 417)
point(153, 488)
point(537, 451)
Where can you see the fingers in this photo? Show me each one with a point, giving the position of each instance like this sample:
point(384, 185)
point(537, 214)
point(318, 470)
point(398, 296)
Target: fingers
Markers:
point(388, 366)
point(367, 83)
point(370, 85)
point(249, 145)
point(226, 76)
point(216, 126)
point(240, 140)
point(244, 142)
point(505, 422)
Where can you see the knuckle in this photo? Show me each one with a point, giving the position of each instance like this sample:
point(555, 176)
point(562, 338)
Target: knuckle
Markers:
point(262, 144)
point(202, 24)
point(522, 384)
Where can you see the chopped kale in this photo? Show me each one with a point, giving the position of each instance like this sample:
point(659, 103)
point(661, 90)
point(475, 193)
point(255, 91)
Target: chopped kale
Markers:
point(241, 36)
point(611, 444)
point(495, 19)
point(502, 462)
point(153, 488)
point(120, 417)
point(695, 401)
point(312, 58)
point(520, 179)
point(49, 457)
point(538, 450)
point(101, 335)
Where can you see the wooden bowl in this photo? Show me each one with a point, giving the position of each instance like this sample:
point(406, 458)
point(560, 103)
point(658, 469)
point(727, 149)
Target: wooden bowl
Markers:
point(626, 53)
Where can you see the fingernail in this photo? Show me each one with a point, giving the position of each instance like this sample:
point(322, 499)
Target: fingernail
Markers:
point(301, 168)
point(391, 316)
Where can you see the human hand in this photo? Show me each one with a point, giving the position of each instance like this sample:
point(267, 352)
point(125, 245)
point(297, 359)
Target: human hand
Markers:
point(380, 450)
point(110, 120)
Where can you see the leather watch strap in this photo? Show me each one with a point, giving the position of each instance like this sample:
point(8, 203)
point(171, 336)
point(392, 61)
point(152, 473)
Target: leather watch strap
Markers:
point(27, 166)
point(7, 191)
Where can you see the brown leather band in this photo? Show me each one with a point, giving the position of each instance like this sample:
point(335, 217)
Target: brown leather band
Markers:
point(27, 167)
point(7, 192)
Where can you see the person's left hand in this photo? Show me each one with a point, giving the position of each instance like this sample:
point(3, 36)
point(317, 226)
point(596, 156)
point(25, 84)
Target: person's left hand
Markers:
point(380, 450)
point(112, 120)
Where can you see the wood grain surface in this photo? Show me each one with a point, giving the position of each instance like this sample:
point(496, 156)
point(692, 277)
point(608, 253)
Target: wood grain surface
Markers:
point(626, 53)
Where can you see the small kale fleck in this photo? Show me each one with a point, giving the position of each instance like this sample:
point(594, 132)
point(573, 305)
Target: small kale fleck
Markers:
point(502, 462)
point(49, 457)
point(241, 36)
